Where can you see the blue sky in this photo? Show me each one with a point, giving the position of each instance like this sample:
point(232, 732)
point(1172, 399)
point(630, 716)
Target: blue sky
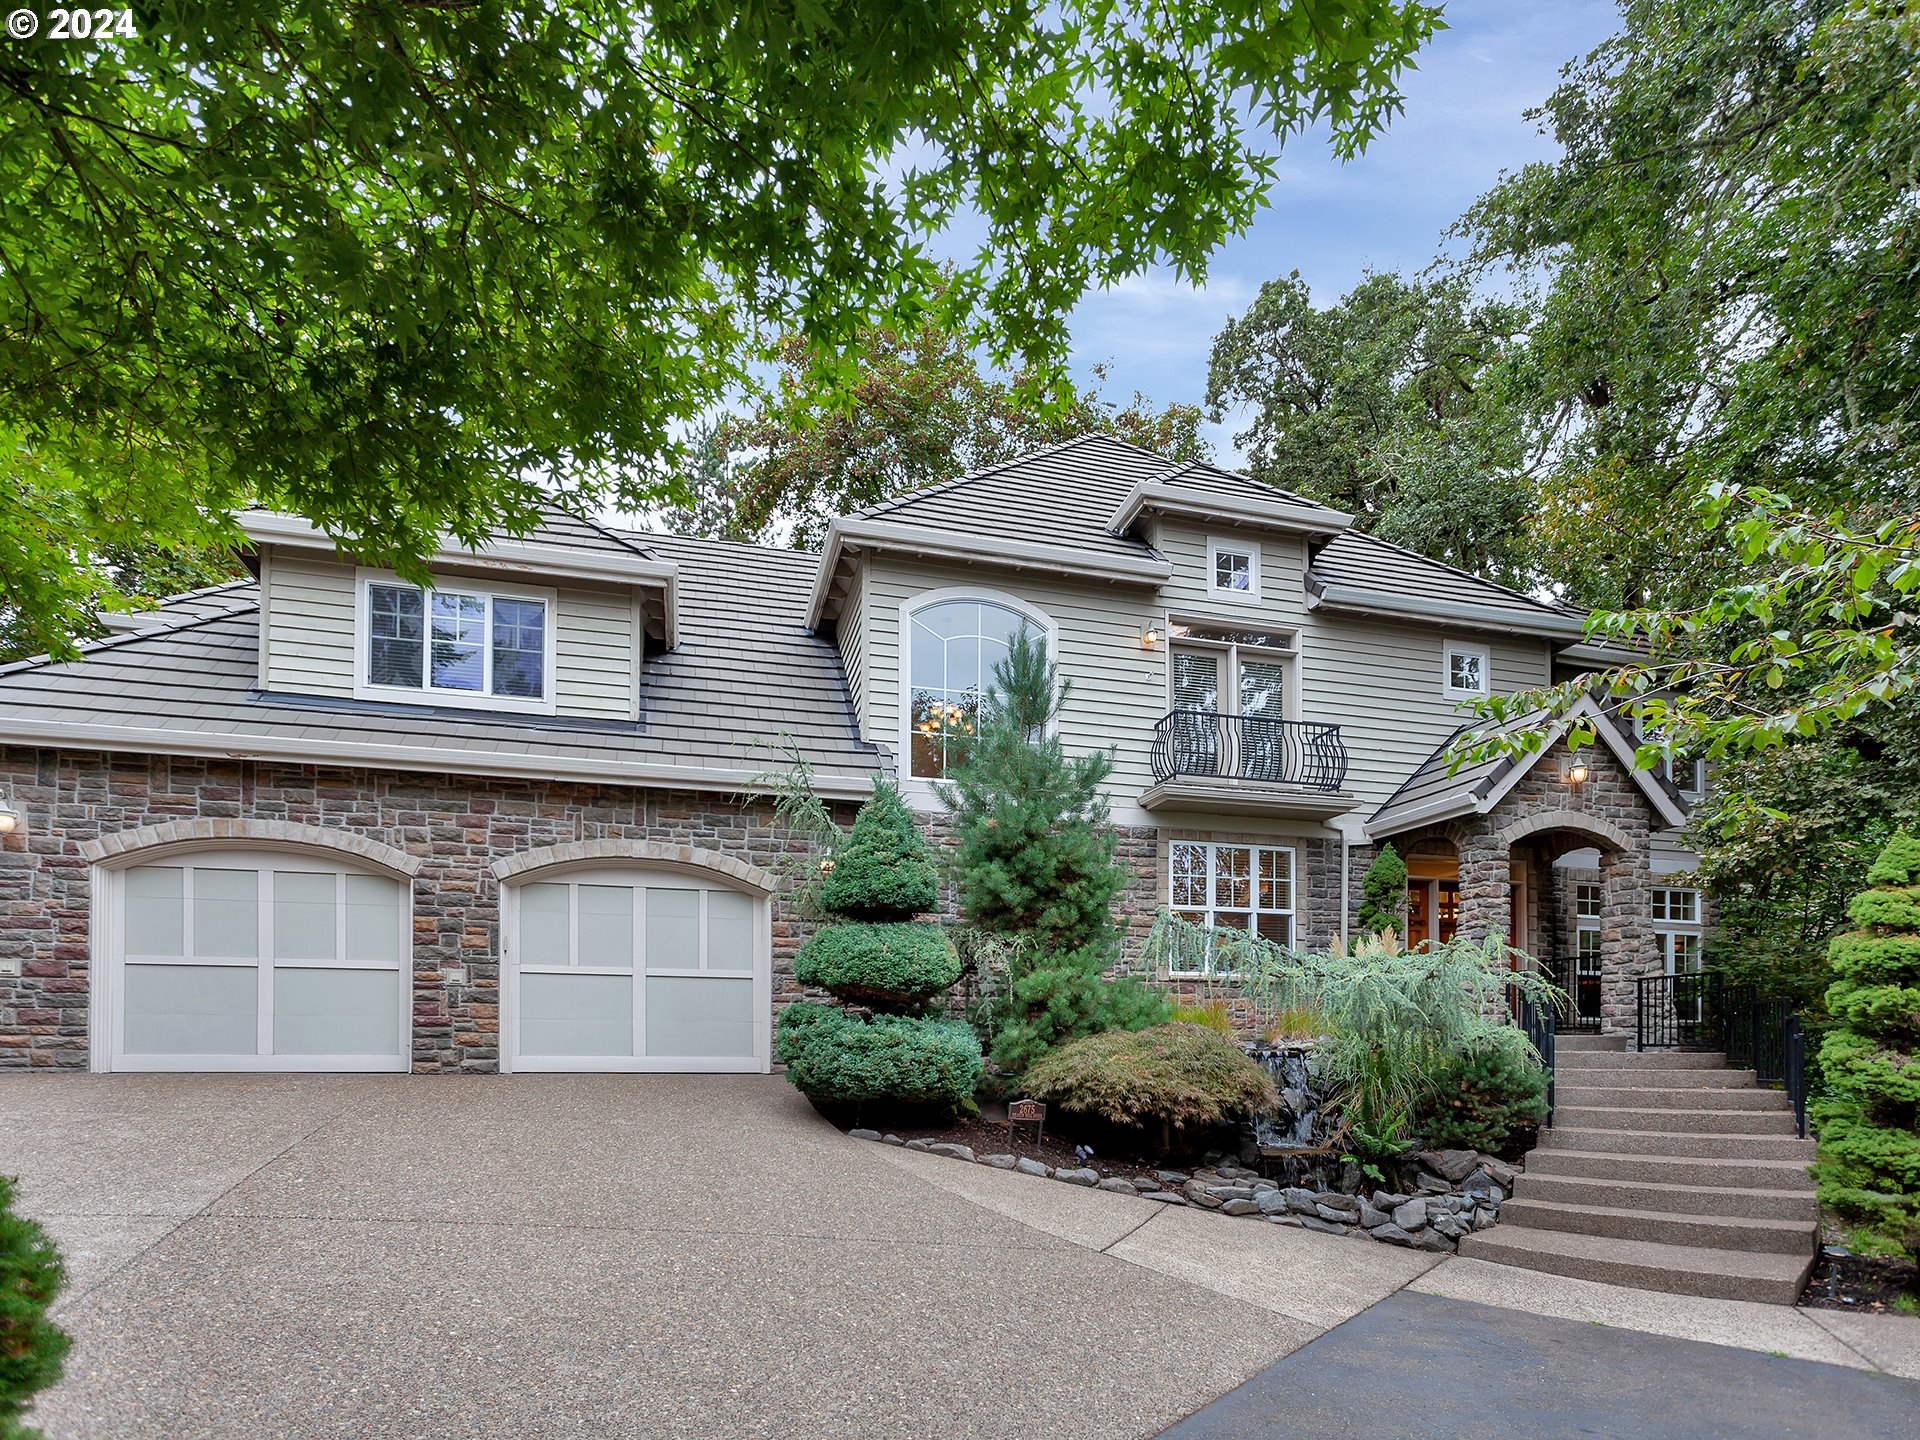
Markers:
point(1388, 210)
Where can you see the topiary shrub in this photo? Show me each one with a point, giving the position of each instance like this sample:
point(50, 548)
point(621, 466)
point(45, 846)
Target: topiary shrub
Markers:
point(884, 871)
point(1176, 1076)
point(887, 966)
point(836, 1057)
point(32, 1348)
point(1383, 894)
point(1481, 1097)
point(1869, 1126)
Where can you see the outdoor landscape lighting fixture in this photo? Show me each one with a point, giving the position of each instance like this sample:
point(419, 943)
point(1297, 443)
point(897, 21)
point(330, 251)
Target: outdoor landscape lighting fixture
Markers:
point(1577, 773)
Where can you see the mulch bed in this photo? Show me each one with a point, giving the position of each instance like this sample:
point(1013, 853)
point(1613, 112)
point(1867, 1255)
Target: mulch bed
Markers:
point(987, 1134)
point(1868, 1284)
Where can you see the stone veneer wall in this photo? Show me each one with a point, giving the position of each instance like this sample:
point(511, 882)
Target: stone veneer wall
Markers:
point(457, 826)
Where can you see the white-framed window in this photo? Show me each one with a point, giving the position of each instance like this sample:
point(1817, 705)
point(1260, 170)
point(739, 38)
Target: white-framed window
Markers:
point(1688, 776)
point(954, 640)
point(1588, 900)
point(1467, 670)
point(1233, 569)
point(458, 643)
point(1677, 929)
point(1233, 887)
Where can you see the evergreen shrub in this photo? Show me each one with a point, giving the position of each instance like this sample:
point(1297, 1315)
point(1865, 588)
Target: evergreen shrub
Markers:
point(888, 966)
point(836, 1057)
point(1482, 1095)
point(1177, 1076)
point(32, 1348)
point(884, 871)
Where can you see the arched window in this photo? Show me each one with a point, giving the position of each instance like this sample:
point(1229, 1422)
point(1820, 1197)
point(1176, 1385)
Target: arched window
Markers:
point(953, 646)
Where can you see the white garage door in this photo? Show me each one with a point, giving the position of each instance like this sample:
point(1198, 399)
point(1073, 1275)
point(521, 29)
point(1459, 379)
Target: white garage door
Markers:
point(244, 961)
point(621, 970)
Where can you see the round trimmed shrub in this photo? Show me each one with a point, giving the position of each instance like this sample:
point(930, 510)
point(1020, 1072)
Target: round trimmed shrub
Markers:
point(884, 871)
point(32, 1348)
point(1179, 1076)
point(835, 1057)
point(898, 966)
point(1480, 1098)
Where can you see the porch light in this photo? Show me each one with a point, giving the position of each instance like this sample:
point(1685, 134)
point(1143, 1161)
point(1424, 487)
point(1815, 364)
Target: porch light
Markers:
point(1150, 638)
point(9, 815)
point(1577, 773)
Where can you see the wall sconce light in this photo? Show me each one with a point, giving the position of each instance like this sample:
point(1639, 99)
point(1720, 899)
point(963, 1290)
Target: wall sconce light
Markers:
point(9, 813)
point(1577, 773)
point(1150, 638)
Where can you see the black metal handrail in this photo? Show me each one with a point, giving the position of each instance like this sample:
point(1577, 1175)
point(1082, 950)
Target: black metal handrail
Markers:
point(1537, 1021)
point(1207, 743)
point(1700, 1009)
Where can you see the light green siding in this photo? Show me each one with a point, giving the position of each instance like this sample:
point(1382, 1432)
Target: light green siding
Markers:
point(1283, 558)
point(311, 643)
point(853, 647)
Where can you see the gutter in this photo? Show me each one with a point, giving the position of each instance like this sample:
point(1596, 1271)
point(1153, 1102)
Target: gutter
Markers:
point(1177, 500)
point(293, 750)
point(1145, 570)
point(1431, 608)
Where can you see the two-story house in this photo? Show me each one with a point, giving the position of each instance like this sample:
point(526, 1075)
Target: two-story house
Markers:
point(324, 818)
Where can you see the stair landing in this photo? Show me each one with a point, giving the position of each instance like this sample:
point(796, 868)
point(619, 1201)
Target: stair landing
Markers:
point(1663, 1171)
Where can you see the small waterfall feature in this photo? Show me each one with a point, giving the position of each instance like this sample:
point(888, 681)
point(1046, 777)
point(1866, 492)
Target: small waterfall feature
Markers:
point(1294, 1137)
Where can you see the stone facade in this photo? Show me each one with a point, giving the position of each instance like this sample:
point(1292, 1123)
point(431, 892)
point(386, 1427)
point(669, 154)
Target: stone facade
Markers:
point(451, 831)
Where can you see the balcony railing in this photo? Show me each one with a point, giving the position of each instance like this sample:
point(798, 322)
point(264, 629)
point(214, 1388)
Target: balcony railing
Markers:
point(1205, 743)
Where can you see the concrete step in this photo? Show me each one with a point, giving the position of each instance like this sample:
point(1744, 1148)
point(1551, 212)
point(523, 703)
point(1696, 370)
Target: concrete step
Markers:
point(1645, 1264)
point(1745, 1202)
point(1668, 1119)
point(1584, 1095)
point(1672, 1169)
point(1640, 1060)
point(1577, 1043)
point(1692, 1145)
point(1652, 1077)
point(1712, 1232)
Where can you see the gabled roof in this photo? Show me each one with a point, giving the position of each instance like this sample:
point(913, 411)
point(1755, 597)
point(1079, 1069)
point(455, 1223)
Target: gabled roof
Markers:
point(1207, 493)
point(1434, 793)
point(1370, 576)
point(714, 711)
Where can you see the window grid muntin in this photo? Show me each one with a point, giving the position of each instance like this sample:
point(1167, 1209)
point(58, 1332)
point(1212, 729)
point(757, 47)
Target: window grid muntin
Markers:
point(1195, 869)
point(454, 624)
point(942, 719)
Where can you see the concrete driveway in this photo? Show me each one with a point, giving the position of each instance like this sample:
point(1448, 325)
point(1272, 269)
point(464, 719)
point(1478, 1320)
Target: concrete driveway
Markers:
point(582, 1256)
point(604, 1256)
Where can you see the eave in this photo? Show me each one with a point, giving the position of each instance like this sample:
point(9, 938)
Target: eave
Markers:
point(1386, 605)
point(1277, 514)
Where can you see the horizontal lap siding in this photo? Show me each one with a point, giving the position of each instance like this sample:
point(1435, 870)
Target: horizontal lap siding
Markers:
point(1119, 688)
point(310, 647)
point(593, 671)
point(1382, 684)
point(853, 649)
point(1282, 601)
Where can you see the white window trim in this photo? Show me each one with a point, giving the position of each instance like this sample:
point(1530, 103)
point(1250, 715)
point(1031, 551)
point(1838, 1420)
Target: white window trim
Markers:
point(1250, 548)
point(1292, 912)
point(365, 689)
point(1451, 648)
point(1666, 932)
point(921, 786)
point(1696, 789)
point(638, 877)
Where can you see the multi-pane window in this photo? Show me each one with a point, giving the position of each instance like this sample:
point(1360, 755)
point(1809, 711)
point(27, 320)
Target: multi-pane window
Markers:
point(1467, 668)
point(1676, 929)
point(456, 642)
point(1233, 569)
point(1243, 887)
point(1587, 900)
point(952, 649)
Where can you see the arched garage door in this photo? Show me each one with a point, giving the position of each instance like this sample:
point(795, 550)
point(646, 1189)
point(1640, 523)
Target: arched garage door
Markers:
point(627, 969)
point(249, 960)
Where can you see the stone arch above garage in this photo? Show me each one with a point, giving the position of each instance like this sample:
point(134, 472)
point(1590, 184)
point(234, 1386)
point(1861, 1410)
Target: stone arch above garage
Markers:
point(146, 842)
point(657, 854)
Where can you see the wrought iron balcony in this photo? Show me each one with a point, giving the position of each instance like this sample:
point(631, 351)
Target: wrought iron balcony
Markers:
point(1207, 745)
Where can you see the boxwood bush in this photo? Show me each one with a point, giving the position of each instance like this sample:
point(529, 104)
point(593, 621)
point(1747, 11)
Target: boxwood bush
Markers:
point(885, 966)
point(837, 1057)
point(32, 1348)
point(884, 871)
point(1179, 1076)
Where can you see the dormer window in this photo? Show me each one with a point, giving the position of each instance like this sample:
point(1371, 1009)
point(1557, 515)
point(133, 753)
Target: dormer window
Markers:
point(1233, 569)
point(456, 644)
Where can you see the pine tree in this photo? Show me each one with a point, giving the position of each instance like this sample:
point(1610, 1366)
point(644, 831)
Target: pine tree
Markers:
point(1035, 861)
point(32, 1348)
point(1869, 1125)
point(1383, 894)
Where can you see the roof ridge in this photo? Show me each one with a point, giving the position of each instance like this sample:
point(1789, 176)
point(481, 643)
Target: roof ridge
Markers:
point(1534, 601)
point(938, 486)
point(108, 642)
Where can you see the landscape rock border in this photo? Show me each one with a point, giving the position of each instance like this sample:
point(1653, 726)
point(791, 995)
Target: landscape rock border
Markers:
point(1455, 1192)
